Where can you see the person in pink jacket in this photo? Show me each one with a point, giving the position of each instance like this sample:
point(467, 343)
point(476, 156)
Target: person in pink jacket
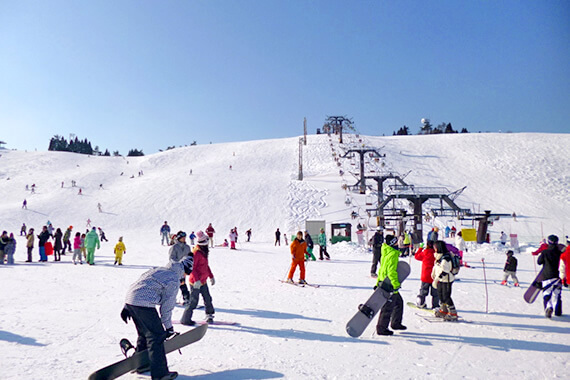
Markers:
point(198, 279)
point(77, 249)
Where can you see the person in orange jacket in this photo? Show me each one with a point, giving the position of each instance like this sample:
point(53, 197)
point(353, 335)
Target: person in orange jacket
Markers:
point(298, 249)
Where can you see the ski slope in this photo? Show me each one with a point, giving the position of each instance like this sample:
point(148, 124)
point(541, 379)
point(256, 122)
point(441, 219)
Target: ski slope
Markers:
point(62, 321)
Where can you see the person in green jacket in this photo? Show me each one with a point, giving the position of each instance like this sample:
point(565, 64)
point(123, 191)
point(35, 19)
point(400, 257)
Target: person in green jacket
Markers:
point(92, 241)
point(323, 245)
point(393, 310)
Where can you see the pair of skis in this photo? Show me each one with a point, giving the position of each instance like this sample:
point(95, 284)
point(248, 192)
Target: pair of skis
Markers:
point(432, 317)
point(299, 284)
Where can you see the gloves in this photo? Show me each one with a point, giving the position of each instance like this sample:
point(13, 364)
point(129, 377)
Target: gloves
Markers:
point(169, 332)
point(396, 291)
point(125, 315)
point(375, 287)
point(421, 245)
point(197, 285)
point(212, 281)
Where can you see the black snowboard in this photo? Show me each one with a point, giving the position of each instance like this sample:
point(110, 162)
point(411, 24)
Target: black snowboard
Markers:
point(140, 359)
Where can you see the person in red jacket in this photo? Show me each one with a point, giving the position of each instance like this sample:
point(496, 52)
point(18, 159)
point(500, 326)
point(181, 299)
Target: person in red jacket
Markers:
point(198, 279)
point(565, 263)
point(211, 231)
point(426, 256)
point(298, 249)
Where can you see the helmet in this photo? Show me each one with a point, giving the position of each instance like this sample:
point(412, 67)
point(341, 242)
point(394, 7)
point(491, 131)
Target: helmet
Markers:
point(180, 234)
point(553, 239)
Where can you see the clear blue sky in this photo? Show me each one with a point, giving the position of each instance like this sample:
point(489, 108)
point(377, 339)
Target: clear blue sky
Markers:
point(150, 74)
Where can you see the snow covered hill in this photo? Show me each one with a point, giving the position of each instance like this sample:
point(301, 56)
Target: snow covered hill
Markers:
point(61, 320)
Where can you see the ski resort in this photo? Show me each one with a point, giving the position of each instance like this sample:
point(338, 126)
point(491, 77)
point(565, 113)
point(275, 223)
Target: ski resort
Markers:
point(62, 320)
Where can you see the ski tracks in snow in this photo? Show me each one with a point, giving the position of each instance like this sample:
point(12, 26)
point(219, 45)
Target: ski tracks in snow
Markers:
point(304, 202)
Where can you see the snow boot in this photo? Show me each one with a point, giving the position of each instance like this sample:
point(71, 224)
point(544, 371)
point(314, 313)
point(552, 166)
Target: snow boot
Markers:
point(548, 312)
point(169, 376)
point(210, 318)
point(517, 284)
point(451, 315)
point(399, 327)
point(504, 282)
point(384, 332)
point(558, 308)
point(302, 282)
point(442, 312)
point(421, 303)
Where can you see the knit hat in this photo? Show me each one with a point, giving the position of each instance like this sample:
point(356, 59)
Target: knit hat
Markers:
point(188, 263)
point(202, 238)
point(510, 252)
point(553, 239)
point(391, 240)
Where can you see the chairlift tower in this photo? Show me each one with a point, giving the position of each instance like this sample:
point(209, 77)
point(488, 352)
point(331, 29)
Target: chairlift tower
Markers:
point(362, 151)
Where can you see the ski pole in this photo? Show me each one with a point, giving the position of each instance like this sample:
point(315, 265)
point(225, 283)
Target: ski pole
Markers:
point(486, 292)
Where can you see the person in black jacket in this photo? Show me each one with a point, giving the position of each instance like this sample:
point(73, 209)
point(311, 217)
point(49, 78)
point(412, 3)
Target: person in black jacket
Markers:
point(551, 284)
point(510, 269)
point(310, 245)
point(278, 237)
point(58, 245)
point(377, 241)
point(43, 236)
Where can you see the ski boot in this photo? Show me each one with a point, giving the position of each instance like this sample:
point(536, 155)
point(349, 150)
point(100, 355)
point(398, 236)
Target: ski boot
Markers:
point(289, 281)
point(302, 282)
point(504, 282)
point(210, 318)
point(517, 284)
point(126, 345)
point(442, 312)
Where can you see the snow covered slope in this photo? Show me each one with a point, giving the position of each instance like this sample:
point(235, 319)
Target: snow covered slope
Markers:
point(61, 321)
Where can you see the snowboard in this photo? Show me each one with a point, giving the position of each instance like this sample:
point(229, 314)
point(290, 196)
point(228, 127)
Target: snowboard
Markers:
point(534, 289)
point(140, 359)
point(356, 326)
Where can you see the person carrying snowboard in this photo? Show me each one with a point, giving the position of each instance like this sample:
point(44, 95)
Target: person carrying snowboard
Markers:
point(377, 241)
point(310, 245)
point(443, 280)
point(393, 310)
point(510, 269)
point(426, 256)
point(551, 284)
point(179, 251)
point(119, 250)
point(298, 249)
point(323, 245)
point(156, 287)
point(92, 242)
point(198, 280)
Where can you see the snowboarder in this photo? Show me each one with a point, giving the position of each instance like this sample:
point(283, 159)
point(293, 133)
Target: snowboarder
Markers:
point(210, 231)
point(165, 233)
point(248, 234)
point(426, 256)
point(323, 245)
point(377, 241)
point(25, 204)
point(277, 238)
point(298, 249)
point(179, 251)
point(503, 238)
point(119, 250)
point(30, 244)
point(233, 238)
point(58, 244)
point(198, 280)
point(92, 242)
point(510, 269)
point(310, 246)
point(551, 284)
point(102, 235)
point(23, 230)
point(393, 310)
point(66, 239)
point(156, 287)
point(77, 249)
point(443, 280)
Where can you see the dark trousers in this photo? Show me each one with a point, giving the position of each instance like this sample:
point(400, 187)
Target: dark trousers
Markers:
point(66, 245)
point(425, 289)
point(57, 254)
point(392, 310)
point(444, 293)
point(376, 256)
point(323, 251)
point(184, 290)
point(151, 337)
point(194, 297)
point(30, 249)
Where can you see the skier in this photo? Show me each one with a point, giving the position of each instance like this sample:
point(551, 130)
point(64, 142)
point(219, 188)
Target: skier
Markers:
point(551, 284)
point(23, 230)
point(77, 249)
point(92, 242)
point(233, 238)
point(102, 235)
point(277, 237)
point(248, 233)
point(198, 280)
point(165, 232)
point(58, 245)
point(30, 244)
point(510, 269)
point(377, 241)
point(88, 223)
point(25, 204)
point(298, 249)
point(393, 310)
point(43, 238)
point(503, 238)
point(179, 251)
point(310, 245)
point(210, 231)
point(66, 239)
point(79, 192)
point(119, 250)
point(323, 245)
point(156, 287)
point(426, 256)
point(443, 280)
point(10, 249)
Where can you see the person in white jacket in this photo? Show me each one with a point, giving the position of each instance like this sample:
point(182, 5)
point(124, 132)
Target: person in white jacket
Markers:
point(443, 281)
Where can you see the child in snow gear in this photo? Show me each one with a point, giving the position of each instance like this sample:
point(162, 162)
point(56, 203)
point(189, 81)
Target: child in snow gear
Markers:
point(198, 280)
point(119, 250)
point(248, 234)
point(156, 287)
point(393, 310)
point(551, 285)
point(179, 251)
point(102, 235)
point(83, 247)
point(92, 242)
point(510, 269)
point(377, 241)
point(323, 245)
point(298, 249)
point(23, 230)
point(77, 249)
point(310, 245)
point(165, 232)
point(442, 280)
point(427, 257)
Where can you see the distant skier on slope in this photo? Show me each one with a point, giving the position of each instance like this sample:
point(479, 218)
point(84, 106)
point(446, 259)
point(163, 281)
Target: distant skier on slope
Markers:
point(165, 232)
point(210, 231)
point(551, 284)
point(233, 238)
point(277, 237)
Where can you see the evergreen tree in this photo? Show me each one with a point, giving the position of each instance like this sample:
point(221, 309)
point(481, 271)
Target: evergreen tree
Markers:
point(135, 153)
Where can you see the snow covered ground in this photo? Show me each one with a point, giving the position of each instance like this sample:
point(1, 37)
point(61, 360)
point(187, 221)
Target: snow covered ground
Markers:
point(62, 321)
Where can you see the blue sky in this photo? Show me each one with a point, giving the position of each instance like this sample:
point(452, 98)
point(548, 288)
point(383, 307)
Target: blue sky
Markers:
point(151, 74)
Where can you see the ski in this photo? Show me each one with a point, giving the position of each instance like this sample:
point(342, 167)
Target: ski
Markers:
point(432, 318)
point(300, 285)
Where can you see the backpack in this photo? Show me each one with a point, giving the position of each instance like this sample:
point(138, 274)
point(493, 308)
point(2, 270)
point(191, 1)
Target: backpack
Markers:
point(455, 262)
